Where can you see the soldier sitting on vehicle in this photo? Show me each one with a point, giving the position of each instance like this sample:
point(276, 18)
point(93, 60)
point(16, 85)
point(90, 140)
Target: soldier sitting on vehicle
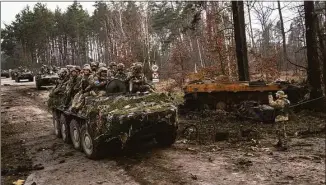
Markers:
point(59, 89)
point(71, 87)
point(121, 75)
point(281, 105)
point(137, 80)
point(84, 87)
point(112, 69)
point(100, 82)
point(94, 67)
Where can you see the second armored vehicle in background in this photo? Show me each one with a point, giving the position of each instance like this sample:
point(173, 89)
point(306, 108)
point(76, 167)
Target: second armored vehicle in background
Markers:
point(24, 74)
point(45, 79)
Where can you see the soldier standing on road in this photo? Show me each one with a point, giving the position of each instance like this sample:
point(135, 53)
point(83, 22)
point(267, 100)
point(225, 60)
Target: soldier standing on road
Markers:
point(281, 105)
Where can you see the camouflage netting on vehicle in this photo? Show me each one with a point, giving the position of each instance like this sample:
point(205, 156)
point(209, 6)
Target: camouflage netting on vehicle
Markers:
point(127, 104)
point(55, 100)
point(115, 114)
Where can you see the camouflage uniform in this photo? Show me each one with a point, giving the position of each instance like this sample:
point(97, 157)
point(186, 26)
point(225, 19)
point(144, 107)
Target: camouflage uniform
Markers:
point(56, 95)
point(121, 75)
point(94, 67)
point(112, 69)
point(85, 81)
point(100, 81)
point(137, 80)
point(281, 105)
point(72, 86)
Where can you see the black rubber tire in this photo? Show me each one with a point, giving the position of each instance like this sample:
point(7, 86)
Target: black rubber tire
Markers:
point(38, 85)
point(64, 129)
point(56, 125)
point(31, 79)
point(89, 146)
point(166, 136)
point(75, 134)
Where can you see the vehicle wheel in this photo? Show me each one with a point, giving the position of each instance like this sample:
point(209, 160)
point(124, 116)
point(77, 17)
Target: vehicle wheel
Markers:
point(64, 129)
point(166, 137)
point(17, 79)
point(31, 79)
point(38, 85)
point(56, 125)
point(75, 134)
point(90, 147)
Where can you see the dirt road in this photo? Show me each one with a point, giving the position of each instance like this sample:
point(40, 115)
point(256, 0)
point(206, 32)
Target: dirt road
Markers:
point(30, 151)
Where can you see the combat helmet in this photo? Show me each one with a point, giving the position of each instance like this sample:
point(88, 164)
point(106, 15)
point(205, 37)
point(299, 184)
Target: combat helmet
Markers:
point(120, 67)
point(281, 94)
point(112, 64)
point(101, 64)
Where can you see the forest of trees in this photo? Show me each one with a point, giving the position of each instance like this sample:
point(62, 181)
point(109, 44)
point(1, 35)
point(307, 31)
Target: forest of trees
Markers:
point(180, 37)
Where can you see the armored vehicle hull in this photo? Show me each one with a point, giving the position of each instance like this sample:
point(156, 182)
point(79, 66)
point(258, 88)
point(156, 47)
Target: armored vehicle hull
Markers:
point(45, 80)
point(110, 123)
point(24, 75)
point(5, 73)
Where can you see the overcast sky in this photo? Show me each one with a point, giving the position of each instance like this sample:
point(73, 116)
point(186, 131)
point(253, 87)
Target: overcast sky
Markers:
point(10, 9)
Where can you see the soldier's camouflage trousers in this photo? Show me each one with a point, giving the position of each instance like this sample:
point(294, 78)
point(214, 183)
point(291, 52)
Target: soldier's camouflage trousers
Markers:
point(78, 100)
point(281, 133)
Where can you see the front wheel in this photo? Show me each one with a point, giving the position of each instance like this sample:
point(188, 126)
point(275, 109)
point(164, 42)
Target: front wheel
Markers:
point(64, 129)
point(56, 125)
point(31, 79)
point(90, 147)
point(75, 134)
point(167, 136)
point(38, 85)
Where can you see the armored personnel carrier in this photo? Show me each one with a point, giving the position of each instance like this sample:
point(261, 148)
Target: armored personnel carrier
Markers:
point(24, 74)
point(108, 123)
point(5, 73)
point(46, 79)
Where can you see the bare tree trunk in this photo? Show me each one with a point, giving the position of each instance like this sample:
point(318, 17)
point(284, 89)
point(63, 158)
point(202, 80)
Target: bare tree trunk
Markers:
point(250, 26)
point(240, 39)
point(283, 37)
point(312, 53)
point(322, 46)
point(200, 57)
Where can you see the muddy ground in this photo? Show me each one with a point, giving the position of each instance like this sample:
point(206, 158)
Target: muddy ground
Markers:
point(30, 151)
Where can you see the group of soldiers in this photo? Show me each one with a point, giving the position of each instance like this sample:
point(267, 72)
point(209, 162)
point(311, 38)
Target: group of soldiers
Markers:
point(76, 83)
point(45, 69)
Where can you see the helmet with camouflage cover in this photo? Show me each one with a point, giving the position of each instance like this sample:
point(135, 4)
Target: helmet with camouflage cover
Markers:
point(120, 67)
point(77, 68)
point(94, 64)
point(87, 65)
point(112, 64)
point(63, 72)
point(281, 94)
point(138, 67)
point(102, 69)
point(69, 67)
point(87, 68)
point(101, 64)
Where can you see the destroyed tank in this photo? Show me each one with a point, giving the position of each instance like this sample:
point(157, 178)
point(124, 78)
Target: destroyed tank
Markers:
point(107, 124)
point(46, 79)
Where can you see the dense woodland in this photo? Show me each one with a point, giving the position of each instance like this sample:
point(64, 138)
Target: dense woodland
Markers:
point(180, 37)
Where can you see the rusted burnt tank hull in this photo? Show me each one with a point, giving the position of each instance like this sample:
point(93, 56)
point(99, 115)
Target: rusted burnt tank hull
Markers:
point(223, 96)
